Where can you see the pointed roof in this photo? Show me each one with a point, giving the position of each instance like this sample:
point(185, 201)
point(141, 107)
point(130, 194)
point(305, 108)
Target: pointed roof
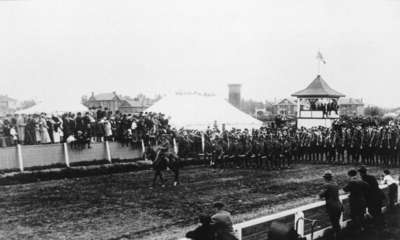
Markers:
point(318, 88)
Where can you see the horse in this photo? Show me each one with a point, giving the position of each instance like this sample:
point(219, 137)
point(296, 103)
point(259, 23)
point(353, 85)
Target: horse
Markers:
point(162, 160)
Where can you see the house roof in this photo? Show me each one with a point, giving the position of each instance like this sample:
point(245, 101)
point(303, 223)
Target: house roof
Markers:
point(105, 96)
point(7, 98)
point(285, 101)
point(318, 88)
point(136, 103)
point(350, 101)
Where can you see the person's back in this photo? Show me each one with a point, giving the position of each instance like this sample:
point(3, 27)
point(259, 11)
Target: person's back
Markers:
point(203, 232)
point(334, 207)
point(222, 221)
point(331, 195)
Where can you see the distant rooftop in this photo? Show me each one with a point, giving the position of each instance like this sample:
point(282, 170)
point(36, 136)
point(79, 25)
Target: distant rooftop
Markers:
point(318, 88)
point(104, 96)
point(7, 98)
point(350, 101)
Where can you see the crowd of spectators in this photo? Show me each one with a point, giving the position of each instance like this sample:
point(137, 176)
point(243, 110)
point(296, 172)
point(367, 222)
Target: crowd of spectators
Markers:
point(96, 125)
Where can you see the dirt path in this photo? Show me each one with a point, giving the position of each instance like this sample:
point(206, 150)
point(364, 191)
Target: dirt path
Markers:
point(123, 206)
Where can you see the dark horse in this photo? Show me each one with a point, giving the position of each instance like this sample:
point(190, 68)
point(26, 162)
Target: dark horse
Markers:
point(162, 160)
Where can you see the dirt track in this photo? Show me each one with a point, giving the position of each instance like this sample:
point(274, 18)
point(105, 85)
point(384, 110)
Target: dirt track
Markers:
point(123, 205)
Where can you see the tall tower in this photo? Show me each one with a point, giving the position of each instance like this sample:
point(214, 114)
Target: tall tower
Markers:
point(234, 94)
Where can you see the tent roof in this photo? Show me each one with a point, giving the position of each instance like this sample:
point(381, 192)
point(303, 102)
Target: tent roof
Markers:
point(318, 88)
point(199, 112)
point(54, 107)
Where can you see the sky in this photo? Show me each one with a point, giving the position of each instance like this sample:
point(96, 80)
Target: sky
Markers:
point(53, 49)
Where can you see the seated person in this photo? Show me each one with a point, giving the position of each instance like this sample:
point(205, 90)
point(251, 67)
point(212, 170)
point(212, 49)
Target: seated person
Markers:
point(203, 232)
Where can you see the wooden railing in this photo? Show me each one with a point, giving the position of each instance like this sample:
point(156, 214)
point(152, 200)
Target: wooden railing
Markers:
point(258, 228)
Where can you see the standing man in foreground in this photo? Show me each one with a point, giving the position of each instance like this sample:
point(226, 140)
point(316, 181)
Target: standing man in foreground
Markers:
point(374, 197)
point(358, 190)
point(221, 221)
point(333, 205)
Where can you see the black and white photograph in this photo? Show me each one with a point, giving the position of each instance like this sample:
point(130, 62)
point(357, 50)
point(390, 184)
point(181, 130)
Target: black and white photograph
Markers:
point(199, 120)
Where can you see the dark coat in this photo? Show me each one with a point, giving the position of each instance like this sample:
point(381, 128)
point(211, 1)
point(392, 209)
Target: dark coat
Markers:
point(222, 223)
point(203, 232)
point(331, 196)
point(375, 195)
point(358, 191)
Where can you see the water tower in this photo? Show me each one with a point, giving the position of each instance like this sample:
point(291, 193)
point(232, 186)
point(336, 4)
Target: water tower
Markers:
point(234, 94)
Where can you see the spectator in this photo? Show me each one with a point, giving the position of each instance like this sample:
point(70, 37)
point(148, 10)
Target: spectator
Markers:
point(358, 191)
point(374, 197)
point(333, 205)
point(204, 231)
point(393, 189)
point(221, 221)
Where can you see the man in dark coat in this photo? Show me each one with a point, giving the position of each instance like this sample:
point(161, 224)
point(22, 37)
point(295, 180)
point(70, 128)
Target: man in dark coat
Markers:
point(204, 231)
point(358, 190)
point(374, 197)
point(221, 221)
point(333, 205)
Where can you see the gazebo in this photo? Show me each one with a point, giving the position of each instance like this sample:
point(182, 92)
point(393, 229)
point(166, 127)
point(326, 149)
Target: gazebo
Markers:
point(317, 105)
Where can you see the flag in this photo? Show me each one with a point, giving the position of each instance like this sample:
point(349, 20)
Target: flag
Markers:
point(321, 58)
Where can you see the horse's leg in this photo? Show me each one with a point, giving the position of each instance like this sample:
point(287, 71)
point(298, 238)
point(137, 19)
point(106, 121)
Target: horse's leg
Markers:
point(155, 177)
point(176, 176)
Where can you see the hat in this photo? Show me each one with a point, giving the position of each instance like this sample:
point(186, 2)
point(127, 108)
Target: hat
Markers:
point(362, 169)
point(328, 174)
point(218, 205)
point(352, 173)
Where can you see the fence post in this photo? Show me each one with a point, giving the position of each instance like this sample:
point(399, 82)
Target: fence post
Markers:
point(175, 146)
point(341, 222)
point(143, 147)
point(20, 158)
point(66, 155)
point(299, 223)
point(108, 151)
point(238, 233)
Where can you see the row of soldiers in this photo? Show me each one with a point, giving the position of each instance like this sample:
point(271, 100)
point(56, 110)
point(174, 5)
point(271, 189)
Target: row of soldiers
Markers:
point(277, 148)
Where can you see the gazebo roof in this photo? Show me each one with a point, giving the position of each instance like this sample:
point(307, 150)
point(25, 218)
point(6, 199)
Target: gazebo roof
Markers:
point(318, 88)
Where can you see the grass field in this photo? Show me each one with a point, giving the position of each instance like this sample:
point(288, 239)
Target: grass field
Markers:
point(123, 206)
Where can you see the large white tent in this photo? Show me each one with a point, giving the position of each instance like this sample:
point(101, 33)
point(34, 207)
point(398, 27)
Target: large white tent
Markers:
point(54, 107)
point(196, 111)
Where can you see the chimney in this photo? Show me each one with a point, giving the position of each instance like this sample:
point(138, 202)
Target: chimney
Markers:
point(234, 94)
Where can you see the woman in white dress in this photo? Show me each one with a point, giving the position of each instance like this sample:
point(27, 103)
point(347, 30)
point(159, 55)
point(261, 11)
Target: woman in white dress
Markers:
point(44, 133)
point(107, 129)
point(57, 123)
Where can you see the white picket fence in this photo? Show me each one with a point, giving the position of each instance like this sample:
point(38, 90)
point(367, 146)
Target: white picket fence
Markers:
point(21, 157)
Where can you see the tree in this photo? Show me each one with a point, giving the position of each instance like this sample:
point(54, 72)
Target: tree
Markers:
point(84, 100)
point(27, 104)
point(373, 111)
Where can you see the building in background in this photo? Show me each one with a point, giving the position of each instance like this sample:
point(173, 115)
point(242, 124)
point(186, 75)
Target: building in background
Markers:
point(351, 106)
point(111, 101)
point(285, 107)
point(136, 105)
point(7, 105)
point(234, 94)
